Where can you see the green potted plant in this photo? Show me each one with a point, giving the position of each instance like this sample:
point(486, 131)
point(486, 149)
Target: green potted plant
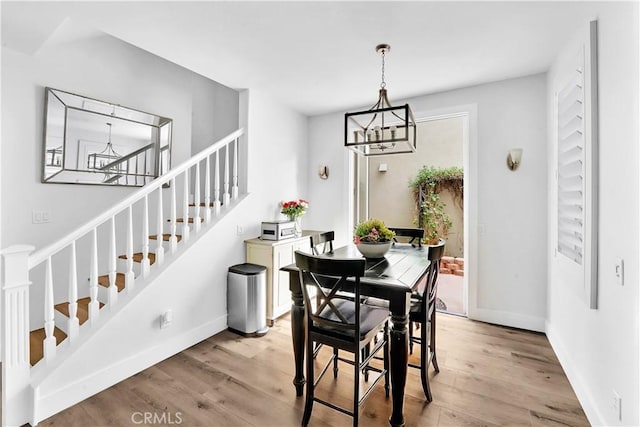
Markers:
point(372, 238)
point(431, 210)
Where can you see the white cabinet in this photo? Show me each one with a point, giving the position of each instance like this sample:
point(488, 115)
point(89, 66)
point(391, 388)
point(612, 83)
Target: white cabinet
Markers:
point(275, 255)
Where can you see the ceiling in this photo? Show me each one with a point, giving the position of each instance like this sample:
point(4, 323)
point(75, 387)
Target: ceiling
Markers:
point(319, 57)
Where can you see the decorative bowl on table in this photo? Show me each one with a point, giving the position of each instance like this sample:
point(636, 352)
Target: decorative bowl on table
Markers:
point(372, 238)
point(373, 249)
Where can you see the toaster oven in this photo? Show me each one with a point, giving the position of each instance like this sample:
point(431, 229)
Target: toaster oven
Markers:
point(278, 230)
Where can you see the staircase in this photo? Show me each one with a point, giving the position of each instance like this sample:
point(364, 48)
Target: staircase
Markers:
point(102, 251)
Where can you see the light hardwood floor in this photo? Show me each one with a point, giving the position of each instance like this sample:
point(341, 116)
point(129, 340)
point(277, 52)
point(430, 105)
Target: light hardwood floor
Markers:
point(489, 376)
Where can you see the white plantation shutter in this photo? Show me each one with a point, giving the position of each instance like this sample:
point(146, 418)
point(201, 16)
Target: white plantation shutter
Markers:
point(571, 167)
point(576, 136)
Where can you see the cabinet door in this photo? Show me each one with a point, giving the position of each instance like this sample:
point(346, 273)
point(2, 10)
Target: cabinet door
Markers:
point(262, 255)
point(284, 255)
point(303, 245)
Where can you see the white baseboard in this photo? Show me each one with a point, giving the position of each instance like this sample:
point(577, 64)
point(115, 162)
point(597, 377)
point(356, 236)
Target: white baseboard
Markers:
point(71, 393)
point(575, 379)
point(506, 318)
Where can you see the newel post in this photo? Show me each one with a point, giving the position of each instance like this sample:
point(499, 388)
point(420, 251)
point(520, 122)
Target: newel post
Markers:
point(16, 396)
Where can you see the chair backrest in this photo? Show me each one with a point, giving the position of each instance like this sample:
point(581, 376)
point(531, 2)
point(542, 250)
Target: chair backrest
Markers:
point(328, 276)
point(435, 254)
point(412, 233)
point(322, 243)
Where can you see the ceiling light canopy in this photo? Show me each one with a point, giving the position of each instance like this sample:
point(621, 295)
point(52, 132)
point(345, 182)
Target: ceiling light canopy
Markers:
point(382, 129)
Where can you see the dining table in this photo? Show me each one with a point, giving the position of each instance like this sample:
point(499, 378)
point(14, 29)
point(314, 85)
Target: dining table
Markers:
point(391, 279)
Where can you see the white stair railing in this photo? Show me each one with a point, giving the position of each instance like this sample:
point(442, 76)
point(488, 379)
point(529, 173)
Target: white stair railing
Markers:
point(20, 265)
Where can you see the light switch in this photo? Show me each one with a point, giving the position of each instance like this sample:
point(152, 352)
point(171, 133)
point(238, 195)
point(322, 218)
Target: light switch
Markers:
point(619, 271)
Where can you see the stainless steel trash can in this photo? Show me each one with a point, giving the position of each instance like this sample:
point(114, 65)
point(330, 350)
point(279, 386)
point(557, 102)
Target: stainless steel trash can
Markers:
point(247, 299)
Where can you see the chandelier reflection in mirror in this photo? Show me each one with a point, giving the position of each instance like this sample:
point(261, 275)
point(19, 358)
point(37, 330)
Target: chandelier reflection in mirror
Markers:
point(105, 159)
point(382, 129)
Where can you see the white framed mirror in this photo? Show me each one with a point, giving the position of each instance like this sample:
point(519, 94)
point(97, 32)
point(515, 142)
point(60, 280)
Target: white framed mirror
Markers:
point(87, 141)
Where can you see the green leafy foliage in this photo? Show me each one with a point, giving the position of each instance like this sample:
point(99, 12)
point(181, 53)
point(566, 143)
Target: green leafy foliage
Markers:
point(427, 186)
point(372, 230)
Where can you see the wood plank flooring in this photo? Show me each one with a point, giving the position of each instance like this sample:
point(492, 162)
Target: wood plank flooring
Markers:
point(489, 376)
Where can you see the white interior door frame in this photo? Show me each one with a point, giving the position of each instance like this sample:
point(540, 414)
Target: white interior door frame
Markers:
point(468, 113)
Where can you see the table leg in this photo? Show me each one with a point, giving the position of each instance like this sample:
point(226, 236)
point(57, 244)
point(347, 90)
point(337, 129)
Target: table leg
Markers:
point(297, 335)
point(398, 363)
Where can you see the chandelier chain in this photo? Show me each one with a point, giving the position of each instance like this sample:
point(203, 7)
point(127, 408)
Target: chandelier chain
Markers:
point(382, 83)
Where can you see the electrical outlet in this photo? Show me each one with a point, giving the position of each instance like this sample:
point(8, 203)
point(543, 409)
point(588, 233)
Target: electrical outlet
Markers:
point(617, 405)
point(619, 271)
point(166, 319)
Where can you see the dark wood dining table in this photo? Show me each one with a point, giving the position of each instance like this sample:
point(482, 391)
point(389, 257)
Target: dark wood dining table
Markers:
point(391, 278)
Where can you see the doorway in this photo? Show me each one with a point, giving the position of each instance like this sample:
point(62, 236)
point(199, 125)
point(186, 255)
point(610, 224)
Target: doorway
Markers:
point(383, 191)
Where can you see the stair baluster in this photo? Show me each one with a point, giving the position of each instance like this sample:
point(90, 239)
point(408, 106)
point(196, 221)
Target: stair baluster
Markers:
point(49, 347)
point(196, 189)
point(129, 276)
point(226, 197)
point(160, 231)
point(207, 190)
point(113, 264)
point(185, 207)
point(94, 305)
point(234, 188)
point(145, 265)
point(73, 322)
point(216, 187)
point(173, 240)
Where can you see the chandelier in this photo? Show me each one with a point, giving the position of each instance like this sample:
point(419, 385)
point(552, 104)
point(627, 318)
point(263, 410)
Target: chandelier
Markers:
point(382, 129)
point(103, 159)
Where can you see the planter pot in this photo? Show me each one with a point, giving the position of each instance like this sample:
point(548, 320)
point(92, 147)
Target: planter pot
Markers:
point(373, 250)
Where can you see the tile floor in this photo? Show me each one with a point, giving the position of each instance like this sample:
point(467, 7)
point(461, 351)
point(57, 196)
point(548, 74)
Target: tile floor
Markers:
point(450, 291)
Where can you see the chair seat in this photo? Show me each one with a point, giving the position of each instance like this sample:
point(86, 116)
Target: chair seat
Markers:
point(377, 302)
point(372, 319)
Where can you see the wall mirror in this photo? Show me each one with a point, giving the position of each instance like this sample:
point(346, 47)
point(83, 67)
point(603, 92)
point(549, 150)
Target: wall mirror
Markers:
point(87, 141)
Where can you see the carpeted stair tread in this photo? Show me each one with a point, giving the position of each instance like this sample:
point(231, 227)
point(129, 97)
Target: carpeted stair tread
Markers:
point(165, 237)
point(104, 281)
point(36, 345)
point(83, 309)
point(137, 257)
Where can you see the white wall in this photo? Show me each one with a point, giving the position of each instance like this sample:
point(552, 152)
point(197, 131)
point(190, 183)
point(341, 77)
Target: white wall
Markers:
point(510, 257)
point(96, 65)
point(599, 348)
point(277, 159)
point(214, 114)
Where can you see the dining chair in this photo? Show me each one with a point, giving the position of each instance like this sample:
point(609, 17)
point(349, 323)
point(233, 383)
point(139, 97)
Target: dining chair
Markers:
point(411, 233)
point(423, 312)
point(322, 243)
point(341, 323)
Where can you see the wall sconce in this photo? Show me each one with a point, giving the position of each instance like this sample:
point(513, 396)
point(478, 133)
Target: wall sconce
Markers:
point(514, 158)
point(323, 172)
